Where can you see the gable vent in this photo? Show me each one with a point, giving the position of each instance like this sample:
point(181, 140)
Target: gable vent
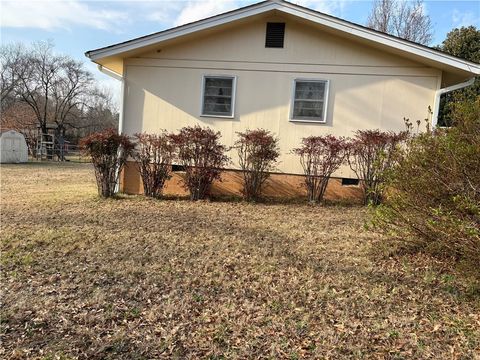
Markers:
point(275, 35)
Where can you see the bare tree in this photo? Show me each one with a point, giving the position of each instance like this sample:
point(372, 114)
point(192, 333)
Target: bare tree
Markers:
point(55, 86)
point(402, 18)
point(70, 93)
point(12, 68)
point(98, 113)
point(19, 116)
point(40, 88)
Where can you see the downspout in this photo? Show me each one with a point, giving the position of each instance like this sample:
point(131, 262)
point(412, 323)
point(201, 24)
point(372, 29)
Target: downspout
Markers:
point(120, 78)
point(446, 90)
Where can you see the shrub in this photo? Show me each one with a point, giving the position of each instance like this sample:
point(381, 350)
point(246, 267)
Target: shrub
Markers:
point(371, 153)
point(109, 152)
point(199, 151)
point(435, 205)
point(257, 153)
point(154, 154)
point(320, 157)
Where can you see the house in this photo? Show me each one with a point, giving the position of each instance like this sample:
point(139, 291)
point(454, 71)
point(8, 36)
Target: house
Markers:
point(282, 67)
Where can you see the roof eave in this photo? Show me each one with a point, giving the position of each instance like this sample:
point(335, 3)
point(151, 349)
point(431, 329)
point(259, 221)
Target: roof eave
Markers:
point(182, 30)
point(382, 38)
point(295, 10)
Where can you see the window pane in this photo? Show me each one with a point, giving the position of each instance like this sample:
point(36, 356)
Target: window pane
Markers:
point(218, 96)
point(217, 106)
point(309, 90)
point(308, 109)
point(309, 100)
point(216, 86)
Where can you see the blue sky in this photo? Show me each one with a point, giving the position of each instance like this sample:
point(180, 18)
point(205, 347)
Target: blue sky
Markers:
point(76, 26)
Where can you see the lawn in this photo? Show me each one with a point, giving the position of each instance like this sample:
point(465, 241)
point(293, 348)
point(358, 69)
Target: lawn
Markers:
point(133, 278)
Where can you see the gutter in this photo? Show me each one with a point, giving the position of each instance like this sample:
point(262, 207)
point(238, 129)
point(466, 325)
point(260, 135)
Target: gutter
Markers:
point(446, 90)
point(110, 73)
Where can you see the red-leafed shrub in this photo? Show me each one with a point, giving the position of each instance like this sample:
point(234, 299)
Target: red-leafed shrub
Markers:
point(199, 151)
point(257, 153)
point(371, 154)
point(154, 155)
point(109, 152)
point(320, 157)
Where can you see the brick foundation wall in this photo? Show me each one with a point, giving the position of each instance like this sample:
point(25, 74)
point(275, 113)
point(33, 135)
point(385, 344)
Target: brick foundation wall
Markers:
point(278, 185)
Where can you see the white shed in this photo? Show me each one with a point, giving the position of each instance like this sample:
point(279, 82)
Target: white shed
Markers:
point(13, 147)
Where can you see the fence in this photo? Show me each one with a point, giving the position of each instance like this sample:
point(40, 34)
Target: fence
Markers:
point(55, 152)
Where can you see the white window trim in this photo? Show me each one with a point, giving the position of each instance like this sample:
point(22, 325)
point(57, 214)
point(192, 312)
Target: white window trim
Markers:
point(234, 92)
point(325, 101)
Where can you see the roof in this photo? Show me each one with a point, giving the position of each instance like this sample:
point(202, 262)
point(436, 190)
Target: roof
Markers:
point(10, 132)
point(340, 25)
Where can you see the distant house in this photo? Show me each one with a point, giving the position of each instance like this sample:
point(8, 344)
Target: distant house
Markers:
point(282, 67)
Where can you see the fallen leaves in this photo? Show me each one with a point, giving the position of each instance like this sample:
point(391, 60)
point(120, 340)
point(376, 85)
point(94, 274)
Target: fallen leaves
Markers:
point(134, 278)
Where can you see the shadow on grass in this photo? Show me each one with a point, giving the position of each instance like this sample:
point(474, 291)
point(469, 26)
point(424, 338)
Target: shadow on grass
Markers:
point(238, 199)
point(49, 164)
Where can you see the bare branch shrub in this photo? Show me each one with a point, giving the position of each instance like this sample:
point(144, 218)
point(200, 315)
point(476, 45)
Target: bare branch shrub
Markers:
point(435, 205)
point(202, 155)
point(320, 157)
point(109, 152)
point(154, 155)
point(257, 154)
point(371, 154)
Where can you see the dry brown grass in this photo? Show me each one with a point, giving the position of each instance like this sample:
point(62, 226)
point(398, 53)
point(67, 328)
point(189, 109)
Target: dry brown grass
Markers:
point(133, 278)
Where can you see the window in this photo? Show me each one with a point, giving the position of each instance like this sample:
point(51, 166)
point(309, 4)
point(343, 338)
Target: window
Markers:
point(310, 100)
point(218, 96)
point(275, 35)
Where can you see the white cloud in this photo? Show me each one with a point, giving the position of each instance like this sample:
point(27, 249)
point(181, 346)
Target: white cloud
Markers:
point(175, 13)
point(196, 10)
point(467, 18)
point(49, 15)
point(161, 11)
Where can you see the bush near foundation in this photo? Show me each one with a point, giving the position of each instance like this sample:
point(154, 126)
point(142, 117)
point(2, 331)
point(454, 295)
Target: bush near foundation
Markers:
point(257, 154)
point(154, 154)
point(435, 205)
point(371, 154)
point(200, 152)
point(109, 152)
point(320, 157)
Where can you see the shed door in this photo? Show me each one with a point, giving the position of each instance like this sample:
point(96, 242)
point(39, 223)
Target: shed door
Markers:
point(8, 147)
point(15, 145)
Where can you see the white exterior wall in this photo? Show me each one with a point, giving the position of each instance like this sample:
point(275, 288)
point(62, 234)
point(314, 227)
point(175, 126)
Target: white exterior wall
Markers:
point(369, 89)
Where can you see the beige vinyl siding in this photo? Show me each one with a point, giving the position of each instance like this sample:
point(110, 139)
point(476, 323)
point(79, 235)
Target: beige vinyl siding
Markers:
point(367, 88)
point(304, 44)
